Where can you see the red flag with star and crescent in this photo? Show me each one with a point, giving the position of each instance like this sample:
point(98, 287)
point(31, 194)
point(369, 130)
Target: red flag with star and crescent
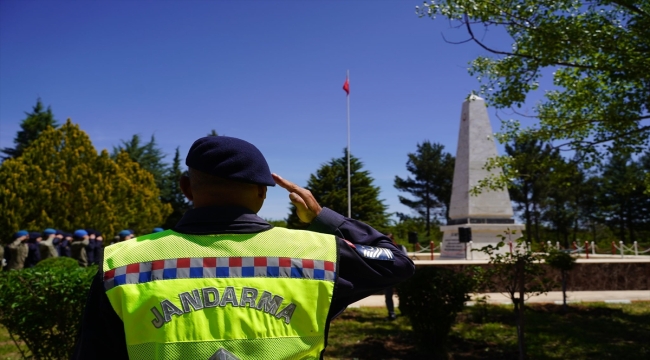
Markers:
point(346, 86)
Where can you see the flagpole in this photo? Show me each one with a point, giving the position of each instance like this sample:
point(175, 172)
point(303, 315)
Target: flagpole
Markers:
point(349, 185)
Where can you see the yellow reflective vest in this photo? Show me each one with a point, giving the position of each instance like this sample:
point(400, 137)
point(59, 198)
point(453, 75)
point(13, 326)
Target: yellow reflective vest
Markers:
point(244, 296)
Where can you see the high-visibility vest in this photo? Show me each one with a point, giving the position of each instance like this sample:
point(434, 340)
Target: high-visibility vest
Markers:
point(251, 296)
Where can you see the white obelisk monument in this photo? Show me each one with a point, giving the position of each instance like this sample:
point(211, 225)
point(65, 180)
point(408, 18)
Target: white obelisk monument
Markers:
point(489, 213)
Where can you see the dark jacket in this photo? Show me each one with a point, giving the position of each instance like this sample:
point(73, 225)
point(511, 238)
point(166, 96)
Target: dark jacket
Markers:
point(102, 333)
point(33, 255)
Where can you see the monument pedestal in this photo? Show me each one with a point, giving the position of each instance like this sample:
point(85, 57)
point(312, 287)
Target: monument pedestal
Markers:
point(482, 235)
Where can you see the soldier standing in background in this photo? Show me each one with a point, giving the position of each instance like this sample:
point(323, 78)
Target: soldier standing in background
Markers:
point(64, 245)
point(18, 250)
point(34, 253)
point(3, 261)
point(90, 248)
point(46, 246)
point(98, 249)
point(78, 247)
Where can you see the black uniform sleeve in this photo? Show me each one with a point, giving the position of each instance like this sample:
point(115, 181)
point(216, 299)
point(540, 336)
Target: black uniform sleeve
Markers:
point(102, 331)
point(359, 276)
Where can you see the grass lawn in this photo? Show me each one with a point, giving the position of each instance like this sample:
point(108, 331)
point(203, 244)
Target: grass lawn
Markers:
point(7, 348)
point(586, 331)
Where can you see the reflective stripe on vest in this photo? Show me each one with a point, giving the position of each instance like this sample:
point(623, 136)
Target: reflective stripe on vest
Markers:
point(254, 296)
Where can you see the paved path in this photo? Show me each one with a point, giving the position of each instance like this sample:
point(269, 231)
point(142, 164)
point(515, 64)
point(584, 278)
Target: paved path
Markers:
point(550, 297)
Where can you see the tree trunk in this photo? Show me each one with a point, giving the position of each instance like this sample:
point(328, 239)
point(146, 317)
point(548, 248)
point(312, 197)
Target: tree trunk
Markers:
point(564, 307)
point(520, 310)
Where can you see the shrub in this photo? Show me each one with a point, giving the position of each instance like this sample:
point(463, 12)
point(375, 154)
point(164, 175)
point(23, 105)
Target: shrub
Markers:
point(61, 262)
point(43, 306)
point(431, 299)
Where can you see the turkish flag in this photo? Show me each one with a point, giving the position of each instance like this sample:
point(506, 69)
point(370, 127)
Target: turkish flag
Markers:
point(346, 86)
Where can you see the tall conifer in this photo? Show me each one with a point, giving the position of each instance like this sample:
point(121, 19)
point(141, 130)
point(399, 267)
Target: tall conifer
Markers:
point(330, 188)
point(60, 181)
point(36, 122)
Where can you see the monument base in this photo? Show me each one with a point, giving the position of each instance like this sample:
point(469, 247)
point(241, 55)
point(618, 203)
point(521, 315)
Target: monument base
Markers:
point(482, 235)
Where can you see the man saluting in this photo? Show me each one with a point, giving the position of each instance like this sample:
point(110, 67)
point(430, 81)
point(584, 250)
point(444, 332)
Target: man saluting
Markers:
point(224, 283)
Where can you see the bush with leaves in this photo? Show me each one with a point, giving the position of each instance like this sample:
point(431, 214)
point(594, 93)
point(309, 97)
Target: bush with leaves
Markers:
point(43, 306)
point(431, 299)
point(519, 272)
point(564, 262)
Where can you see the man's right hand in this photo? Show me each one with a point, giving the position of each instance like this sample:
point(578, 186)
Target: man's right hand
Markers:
point(306, 205)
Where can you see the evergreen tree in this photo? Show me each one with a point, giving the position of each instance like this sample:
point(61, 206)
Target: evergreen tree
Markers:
point(60, 181)
point(149, 156)
point(172, 194)
point(625, 208)
point(597, 51)
point(213, 133)
point(562, 196)
point(433, 171)
point(35, 123)
point(330, 188)
point(529, 179)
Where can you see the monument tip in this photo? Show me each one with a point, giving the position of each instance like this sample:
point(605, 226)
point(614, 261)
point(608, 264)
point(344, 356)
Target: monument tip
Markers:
point(474, 97)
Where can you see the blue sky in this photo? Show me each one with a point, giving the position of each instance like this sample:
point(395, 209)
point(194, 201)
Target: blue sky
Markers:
point(269, 72)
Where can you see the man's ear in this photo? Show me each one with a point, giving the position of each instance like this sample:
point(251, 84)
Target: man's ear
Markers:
point(186, 188)
point(261, 191)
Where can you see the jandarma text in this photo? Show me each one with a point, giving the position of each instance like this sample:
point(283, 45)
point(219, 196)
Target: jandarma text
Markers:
point(208, 297)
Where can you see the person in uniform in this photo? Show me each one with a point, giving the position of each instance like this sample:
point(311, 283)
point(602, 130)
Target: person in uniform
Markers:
point(78, 247)
point(46, 247)
point(122, 236)
point(3, 259)
point(224, 283)
point(64, 244)
point(17, 251)
point(90, 248)
point(98, 249)
point(34, 252)
point(388, 292)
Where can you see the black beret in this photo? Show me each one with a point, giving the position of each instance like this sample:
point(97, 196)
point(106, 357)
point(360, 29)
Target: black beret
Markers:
point(229, 158)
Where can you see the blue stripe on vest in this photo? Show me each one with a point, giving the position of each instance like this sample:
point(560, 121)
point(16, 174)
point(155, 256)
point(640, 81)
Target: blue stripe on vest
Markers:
point(222, 267)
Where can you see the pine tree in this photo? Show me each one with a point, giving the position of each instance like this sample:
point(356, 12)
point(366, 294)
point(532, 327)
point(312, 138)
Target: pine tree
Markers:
point(149, 156)
point(60, 181)
point(172, 193)
point(35, 123)
point(433, 171)
point(625, 208)
point(530, 176)
point(330, 188)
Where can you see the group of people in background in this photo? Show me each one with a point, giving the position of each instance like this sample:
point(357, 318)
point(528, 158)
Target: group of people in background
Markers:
point(86, 246)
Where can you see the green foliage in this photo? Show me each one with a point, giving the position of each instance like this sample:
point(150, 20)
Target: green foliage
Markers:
point(277, 223)
point(519, 272)
point(406, 224)
point(35, 123)
point(171, 192)
point(433, 172)
point(597, 52)
point(529, 176)
point(431, 299)
point(329, 185)
point(560, 260)
point(60, 181)
point(43, 307)
point(61, 262)
point(622, 202)
point(149, 156)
